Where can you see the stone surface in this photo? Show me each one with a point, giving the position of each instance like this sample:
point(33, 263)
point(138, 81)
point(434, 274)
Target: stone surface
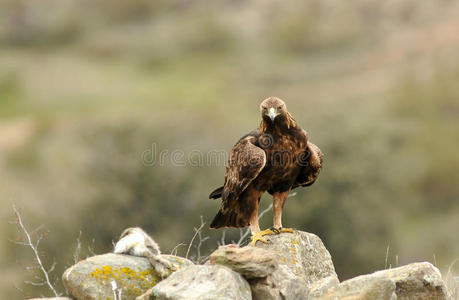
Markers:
point(415, 281)
point(293, 266)
point(321, 286)
point(55, 298)
point(92, 278)
point(303, 260)
point(250, 262)
point(201, 282)
point(279, 286)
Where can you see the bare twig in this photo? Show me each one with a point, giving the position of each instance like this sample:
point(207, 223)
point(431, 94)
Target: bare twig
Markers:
point(222, 239)
point(387, 256)
point(76, 254)
point(243, 235)
point(174, 251)
point(20, 290)
point(197, 230)
point(201, 241)
point(91, 251)
point(452, 282)
point(34, 246)
point(265, 211)
point(450, 268)
point(291, 195)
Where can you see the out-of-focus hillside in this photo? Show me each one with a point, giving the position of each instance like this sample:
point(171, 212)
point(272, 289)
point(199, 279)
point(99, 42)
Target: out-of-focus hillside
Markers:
point(86, 87)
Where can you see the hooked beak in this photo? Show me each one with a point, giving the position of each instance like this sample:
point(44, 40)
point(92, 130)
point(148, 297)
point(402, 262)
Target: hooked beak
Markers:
point(272, 113)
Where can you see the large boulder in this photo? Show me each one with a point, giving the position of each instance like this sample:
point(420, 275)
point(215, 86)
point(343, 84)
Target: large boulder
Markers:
point(250, 262)
point(55, 298)
point(206, 282)
point(304, 266)
point(420, 281)
point(97, 277)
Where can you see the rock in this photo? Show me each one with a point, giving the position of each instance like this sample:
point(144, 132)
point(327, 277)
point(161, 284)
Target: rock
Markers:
point(277, 287)
point(201, 282)
point(92, 278)
point(321, 286)
point(414, 281)
point(303, 261)
point(250, 262)
point(55, 298)
point(375, 288)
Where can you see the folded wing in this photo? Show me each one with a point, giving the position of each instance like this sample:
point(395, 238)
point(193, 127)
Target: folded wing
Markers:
point(245, 162)
point(312, 165)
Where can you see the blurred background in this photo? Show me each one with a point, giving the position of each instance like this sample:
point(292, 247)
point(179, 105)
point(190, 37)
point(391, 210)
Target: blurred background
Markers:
point(86, 87)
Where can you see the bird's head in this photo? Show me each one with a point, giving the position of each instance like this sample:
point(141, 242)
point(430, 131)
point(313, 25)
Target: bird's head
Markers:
point(273, 108)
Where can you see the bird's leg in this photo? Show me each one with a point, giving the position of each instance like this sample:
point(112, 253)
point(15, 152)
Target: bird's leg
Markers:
point(257, 234)
point(278, 204)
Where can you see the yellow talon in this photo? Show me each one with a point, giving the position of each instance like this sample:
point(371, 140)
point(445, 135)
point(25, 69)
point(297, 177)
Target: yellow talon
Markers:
point(259, 236)
point(269, 231)
point(290, 230)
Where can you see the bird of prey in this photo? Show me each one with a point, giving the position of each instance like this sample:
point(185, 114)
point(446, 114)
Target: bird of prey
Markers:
point(277, 157)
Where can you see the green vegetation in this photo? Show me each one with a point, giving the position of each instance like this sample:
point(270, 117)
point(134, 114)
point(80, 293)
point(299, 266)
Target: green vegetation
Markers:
point(87, 87)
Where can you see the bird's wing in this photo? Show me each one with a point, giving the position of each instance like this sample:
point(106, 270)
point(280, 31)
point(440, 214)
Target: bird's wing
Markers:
point(246, 160)
point(312, 165)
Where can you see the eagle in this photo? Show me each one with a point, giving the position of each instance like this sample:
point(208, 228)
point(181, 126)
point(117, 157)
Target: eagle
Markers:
point(275, 158)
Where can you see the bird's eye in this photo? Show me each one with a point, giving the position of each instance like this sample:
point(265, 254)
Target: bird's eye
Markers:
point(279, 107)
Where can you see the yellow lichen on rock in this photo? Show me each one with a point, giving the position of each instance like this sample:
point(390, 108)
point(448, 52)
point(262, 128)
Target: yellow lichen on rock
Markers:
point(131, 281)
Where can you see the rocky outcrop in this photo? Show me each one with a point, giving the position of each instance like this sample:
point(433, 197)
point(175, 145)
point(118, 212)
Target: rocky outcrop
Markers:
point(201, 282)
point(304, 263)
point(55, 298)
point(303, 254)
point(250, 262)
point(102, 276)
point(320, 287)
point(293, 266)
point(420, 281)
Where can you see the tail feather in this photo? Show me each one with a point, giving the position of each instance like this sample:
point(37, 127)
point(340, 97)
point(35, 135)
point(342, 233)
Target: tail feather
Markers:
point(217, 193)
point(229, 219)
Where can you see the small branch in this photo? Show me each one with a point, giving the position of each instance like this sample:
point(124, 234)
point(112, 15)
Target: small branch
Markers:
point(91, 251)
point(222, 239)
point(21, 291)
point(35, 283)
point(201, 241)
point(243, 235)
point(174, 251)
point(452, 282)
point(387, 256)
point(34, 247)
point(265, 211)
point(197, 230)
point(76, 254)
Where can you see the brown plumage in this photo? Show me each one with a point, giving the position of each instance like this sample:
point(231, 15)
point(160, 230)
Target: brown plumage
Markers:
point(277, 157)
